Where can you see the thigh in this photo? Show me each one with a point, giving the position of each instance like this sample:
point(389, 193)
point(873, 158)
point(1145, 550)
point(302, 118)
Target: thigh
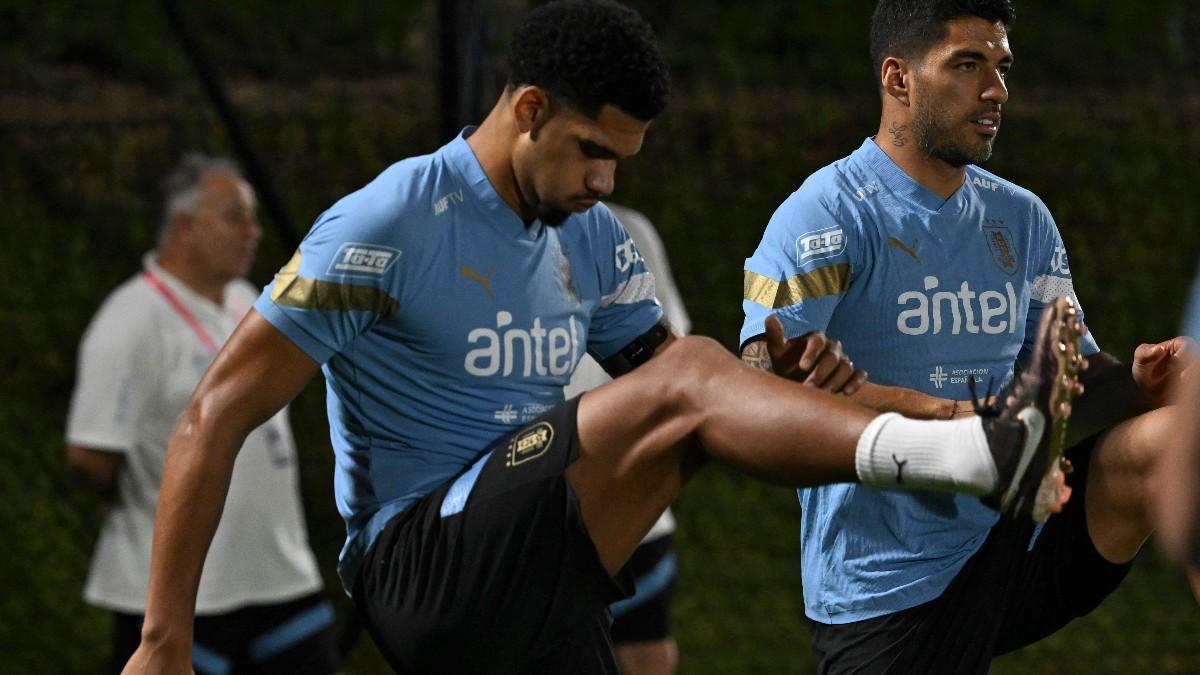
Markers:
point(1063, 576)
point(494, 569)
point(646, 615)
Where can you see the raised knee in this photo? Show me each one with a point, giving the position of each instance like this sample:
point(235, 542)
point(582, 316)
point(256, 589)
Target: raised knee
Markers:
point(693, 358)
point(686, 370)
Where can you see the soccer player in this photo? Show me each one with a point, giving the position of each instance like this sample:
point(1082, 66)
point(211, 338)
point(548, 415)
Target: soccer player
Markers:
point(932, 272)
point(447, 303)
point(641, 628)
point(259, 604)
point(1177, 507)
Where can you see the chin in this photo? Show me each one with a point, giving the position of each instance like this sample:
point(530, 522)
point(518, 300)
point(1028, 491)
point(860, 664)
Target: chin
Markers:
point(552, 216)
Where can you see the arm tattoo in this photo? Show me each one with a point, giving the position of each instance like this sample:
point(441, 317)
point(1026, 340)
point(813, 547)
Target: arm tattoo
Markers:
point(897, 132)
point(755, 354)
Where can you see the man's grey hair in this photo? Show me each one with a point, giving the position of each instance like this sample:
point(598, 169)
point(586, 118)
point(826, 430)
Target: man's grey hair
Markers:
point(182, 185)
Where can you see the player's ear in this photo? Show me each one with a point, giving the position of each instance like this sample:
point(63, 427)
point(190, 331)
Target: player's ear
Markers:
point(531, 109)
point(896, 79)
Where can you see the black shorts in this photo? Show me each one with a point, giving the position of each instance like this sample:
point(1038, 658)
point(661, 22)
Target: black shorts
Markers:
point(1011, 593)
point(645, 617)
point(296, 636)
point(507, 581)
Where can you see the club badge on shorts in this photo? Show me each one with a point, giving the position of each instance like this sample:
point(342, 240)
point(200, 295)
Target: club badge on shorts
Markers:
point(530, 443)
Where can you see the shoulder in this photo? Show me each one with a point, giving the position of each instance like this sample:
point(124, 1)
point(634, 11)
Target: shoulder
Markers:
point(825, 201)
point(403, 194)
point(597, 227)
point(635, 222)
point(127, 315)
point(989, 185)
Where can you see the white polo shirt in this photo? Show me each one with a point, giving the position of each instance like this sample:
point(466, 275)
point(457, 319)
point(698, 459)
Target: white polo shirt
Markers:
point(139, 362)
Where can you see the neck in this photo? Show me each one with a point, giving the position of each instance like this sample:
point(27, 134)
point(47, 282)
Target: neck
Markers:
point(898, 142)
point(493, 147)
point(177, 266)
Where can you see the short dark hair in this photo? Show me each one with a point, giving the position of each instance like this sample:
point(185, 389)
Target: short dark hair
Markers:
point(909, 28)
point(591, 53)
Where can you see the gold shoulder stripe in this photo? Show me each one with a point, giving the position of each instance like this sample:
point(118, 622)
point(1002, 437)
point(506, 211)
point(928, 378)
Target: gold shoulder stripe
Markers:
point(292, 290)
point(818, 283)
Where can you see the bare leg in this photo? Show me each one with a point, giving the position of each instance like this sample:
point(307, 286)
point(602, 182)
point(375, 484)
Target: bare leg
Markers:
point(1177, 481)
point(644, 435)
point(1120, 483)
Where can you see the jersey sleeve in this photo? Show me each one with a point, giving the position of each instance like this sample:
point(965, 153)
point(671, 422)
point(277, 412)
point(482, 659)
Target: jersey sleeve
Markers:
point(800, 271)
point(627, 307)
point(1052, 278)
point(341, 281)
point(114, 377)
point(653, 251)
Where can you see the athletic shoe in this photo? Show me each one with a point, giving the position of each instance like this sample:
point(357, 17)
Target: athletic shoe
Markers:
point(1028, 455)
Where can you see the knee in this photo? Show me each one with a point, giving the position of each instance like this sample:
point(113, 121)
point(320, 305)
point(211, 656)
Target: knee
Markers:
point(686, 367)
point(695, 358)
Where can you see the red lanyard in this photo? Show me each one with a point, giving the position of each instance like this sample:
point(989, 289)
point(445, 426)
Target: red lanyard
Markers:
point(182, 311)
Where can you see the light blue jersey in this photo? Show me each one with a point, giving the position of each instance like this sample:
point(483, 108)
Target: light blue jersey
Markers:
point(443, 322)
point(923, 293)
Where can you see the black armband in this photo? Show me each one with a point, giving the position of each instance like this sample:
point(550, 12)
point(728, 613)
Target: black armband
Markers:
point(637, 352)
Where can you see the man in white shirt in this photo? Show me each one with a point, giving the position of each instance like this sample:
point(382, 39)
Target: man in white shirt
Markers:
point(259, 604)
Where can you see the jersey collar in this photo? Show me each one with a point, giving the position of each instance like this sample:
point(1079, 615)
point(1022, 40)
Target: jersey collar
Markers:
point(499, 214)
point(903, 185)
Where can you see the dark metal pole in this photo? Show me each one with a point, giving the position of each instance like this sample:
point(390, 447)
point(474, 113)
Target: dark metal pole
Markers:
point(255, 170)
point(463, 81)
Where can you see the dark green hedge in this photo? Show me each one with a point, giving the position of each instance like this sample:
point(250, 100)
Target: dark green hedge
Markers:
point(96, 104)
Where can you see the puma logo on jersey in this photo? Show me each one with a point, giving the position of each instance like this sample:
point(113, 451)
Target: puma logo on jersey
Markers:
point(896, 243)
point(485, 281)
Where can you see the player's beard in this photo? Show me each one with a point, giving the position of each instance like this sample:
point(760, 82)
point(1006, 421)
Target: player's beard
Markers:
point(938, 132)
point(551, 216)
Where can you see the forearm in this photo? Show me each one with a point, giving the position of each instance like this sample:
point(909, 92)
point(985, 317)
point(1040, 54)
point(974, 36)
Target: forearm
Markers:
point(909, 402)
point(196, 477)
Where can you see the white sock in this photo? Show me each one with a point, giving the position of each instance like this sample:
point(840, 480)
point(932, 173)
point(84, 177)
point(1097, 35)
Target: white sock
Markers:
point(945, 455)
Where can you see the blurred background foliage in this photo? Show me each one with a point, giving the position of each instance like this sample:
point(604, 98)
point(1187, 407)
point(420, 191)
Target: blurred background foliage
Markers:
point(97, 100)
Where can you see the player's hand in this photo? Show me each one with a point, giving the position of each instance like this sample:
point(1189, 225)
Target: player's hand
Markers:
point(812, 359)
point(1157, 368)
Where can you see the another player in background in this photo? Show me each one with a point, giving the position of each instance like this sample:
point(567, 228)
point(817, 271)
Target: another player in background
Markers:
point(641, 627)
point(447, 304)
point(259, 605)
point(1177, 503)
point(932, 273)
